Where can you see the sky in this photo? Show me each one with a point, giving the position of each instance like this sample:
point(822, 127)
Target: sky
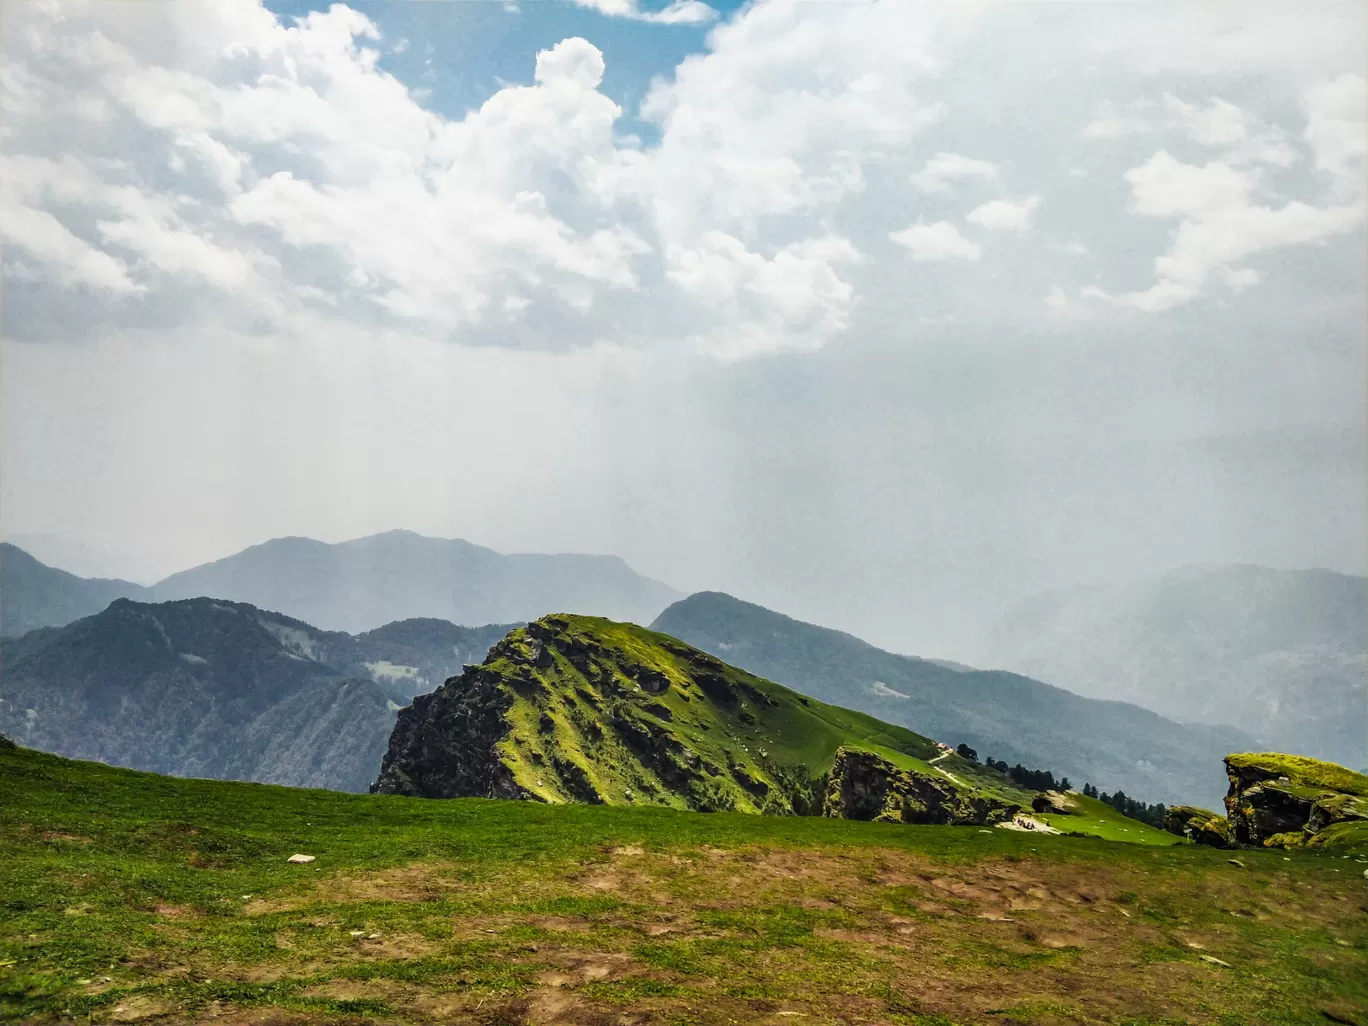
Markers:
point(883, 315)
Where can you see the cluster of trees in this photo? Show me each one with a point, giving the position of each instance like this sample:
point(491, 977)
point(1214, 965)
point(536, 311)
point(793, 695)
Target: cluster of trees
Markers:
point(1038, 780)
point(1129, 807)
point(1044, 780)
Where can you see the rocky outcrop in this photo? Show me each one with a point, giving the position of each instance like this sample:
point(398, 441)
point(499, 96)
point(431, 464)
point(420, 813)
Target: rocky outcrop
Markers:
point(1052, 802)
point(866, 786)
point(444, 745)
point(1201, 826)
point(1283, 801)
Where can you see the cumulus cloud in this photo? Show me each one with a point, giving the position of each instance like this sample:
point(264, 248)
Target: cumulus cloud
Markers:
point(678, 12)
point(1214, 123)
point(944, 169)
point(316, 172)
point(164, 175)
point(1337, 127)
point(288, 170)
point(1220, 224)
point(1005, 215)
point(938, 242)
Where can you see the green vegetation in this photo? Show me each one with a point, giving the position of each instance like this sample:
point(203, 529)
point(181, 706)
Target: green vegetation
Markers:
point(1099, 819)
point(1017, 719)
point(1300, 770)
point(136, 898)
point(583, 709)
point(1287, 801)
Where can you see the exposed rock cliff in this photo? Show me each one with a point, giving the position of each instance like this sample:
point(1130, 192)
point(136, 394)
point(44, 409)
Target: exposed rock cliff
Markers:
point(864, 785)
point(1286, 801)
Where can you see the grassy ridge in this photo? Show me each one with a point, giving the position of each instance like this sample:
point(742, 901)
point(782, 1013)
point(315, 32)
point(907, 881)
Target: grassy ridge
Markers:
point(617, 714)
point(133, 897)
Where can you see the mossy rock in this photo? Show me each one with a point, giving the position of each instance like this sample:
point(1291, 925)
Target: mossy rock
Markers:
point(1291, 839)
point(1201, 826)
point(1351, 837)
point(866, 785)
point(1299, 770)
point(1280, 800)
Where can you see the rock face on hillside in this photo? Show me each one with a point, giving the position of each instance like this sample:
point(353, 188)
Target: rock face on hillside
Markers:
point(579, 709)
point(1201, 826)
point(1286, 801)
point(1053, 803)
point(867, 786)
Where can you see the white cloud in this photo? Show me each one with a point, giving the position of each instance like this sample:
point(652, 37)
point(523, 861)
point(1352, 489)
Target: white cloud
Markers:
point(678, 12)
point(1242, 136)
point(1005, 215)
point(1217, 124)
point(794, 299)
point(1056, 300)
point(1220, 224)
point(287, 171)
point(945, 168)
point(1337, 127)
point(1110, 123)
point(937, 242)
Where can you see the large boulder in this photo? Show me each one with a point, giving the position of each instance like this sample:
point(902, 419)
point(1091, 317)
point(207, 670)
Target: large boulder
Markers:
point(1285, 801)
point(864, 785)
point(1201, 826)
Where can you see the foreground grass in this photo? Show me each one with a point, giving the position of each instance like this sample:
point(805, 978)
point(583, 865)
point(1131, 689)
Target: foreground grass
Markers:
point(132, 897)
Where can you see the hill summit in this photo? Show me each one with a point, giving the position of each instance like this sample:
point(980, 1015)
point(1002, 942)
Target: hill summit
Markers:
point(577, 709)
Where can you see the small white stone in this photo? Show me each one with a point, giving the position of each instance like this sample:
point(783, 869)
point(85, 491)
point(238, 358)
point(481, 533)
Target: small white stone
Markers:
point(297, 858)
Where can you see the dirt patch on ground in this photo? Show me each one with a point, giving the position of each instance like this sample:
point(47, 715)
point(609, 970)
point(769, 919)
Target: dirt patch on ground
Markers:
point(175, 911)
point(735, 938)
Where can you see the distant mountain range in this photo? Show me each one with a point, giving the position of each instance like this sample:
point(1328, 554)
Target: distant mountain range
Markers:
point(209, 688)
point(353, 586)
point(1282, 654)
point(33, 594)
point(1005, 715)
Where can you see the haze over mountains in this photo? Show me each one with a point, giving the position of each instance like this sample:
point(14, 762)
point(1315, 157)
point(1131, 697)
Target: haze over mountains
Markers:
point(1005, 715)
point(33, 594)
point(1282, 654)
point(1276, 655)
point(355, 585)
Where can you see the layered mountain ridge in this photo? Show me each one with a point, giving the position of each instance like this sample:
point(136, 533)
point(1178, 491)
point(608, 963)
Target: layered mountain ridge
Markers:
point(352, 586)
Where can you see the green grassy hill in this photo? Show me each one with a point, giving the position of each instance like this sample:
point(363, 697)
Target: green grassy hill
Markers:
point(582, 709)
point(130, 897)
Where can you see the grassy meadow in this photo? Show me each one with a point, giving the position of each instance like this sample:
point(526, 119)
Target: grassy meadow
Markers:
point(128, 897)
